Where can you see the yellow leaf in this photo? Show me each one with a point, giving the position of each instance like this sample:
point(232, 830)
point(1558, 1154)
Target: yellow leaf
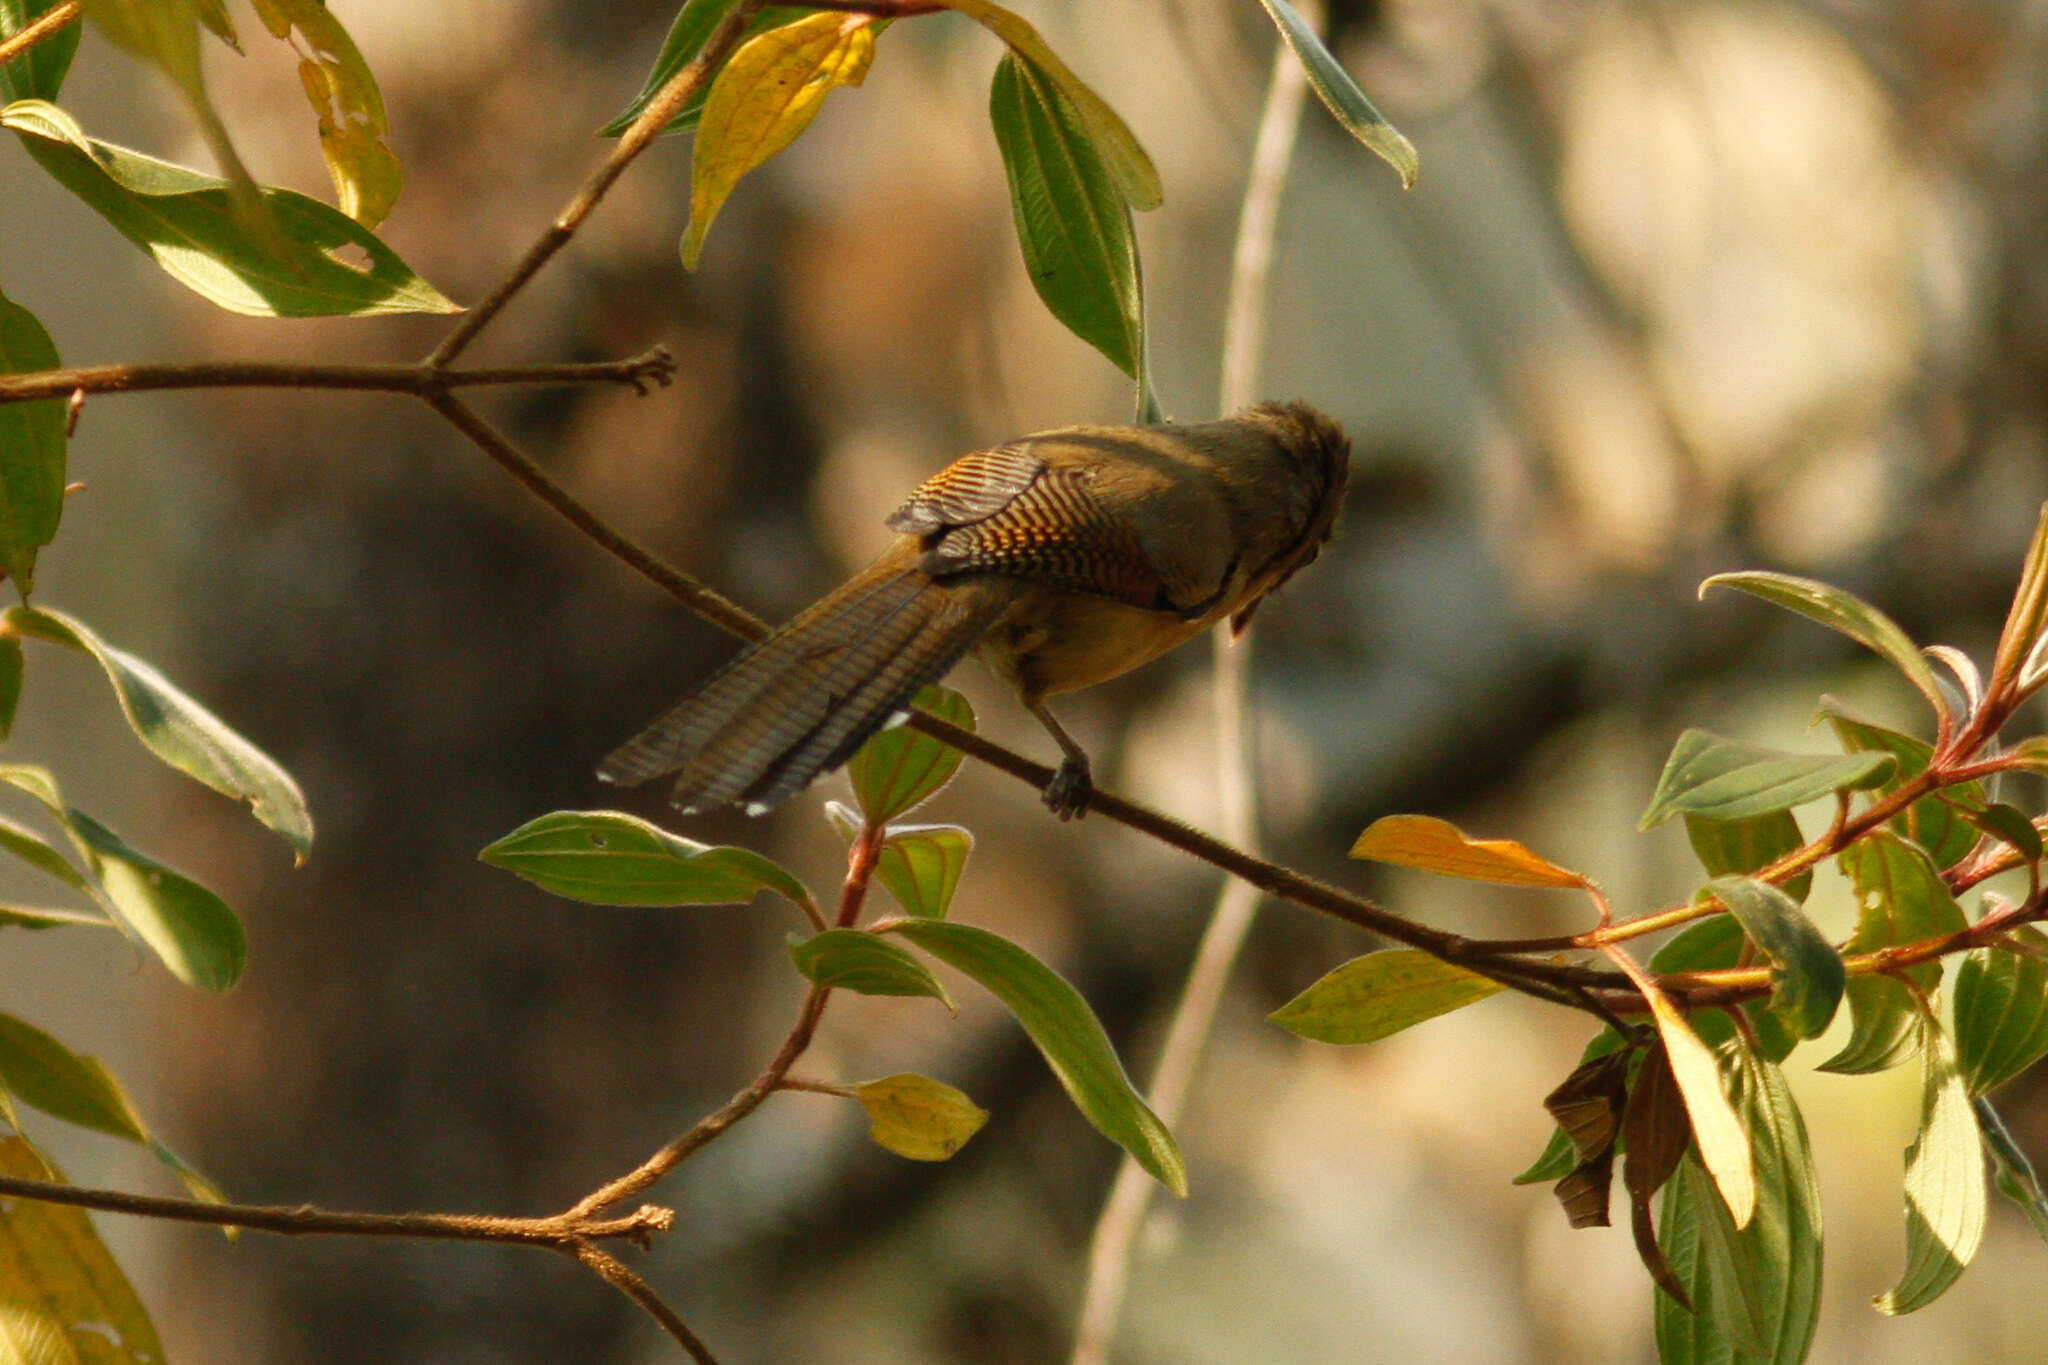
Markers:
point(766, 95)
point(917, 1117)
point(1723, 1142)
point(347, 103)
point(1438, 846)
point(62, 1296)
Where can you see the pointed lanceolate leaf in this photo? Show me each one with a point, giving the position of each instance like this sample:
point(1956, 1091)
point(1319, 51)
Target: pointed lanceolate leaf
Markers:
point(2011, 1171)
point(1433, 845)
point(1072, 221)
point(180, 731)
point(921, 866)
point(1739, 847)
point(606, 857)
point(37, 74)
point(917, 1117)
point(2001, 1012)
point(65, 1298)
point(32, 447)
point(1945, 1198)
point(1939, 823)
point(865, 963)
point(1808, 971)
point(187, 222)
point(194, 931)
point(766, 95)
point(37, 852)
point(1843, 612)
point(1723, 1144)
point(347, 104)
point(687, 34)
point(1372, 997)
point(1725, 779)
point(1901, 900)
point(1066, 1032)
point(901, 768)
point(1341, 95)
point(40, 1071)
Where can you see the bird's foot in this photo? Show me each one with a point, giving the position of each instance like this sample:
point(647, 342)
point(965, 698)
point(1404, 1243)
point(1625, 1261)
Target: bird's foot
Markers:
point(1070, 790)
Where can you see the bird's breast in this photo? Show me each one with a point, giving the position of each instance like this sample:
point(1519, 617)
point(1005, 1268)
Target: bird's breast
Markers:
point(1051, 641)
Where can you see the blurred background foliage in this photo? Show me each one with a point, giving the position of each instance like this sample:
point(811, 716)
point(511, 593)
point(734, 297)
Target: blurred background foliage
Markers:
point(1683, 287)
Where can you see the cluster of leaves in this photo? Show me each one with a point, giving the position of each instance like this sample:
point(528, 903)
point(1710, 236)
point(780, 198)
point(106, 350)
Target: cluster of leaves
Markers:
point(1695, 1106)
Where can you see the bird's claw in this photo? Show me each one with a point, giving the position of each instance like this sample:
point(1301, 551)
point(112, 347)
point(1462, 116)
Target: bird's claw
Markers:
point(1071, 790)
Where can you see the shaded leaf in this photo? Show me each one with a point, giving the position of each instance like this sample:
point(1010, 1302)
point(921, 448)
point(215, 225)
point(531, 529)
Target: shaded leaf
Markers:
point(37, 852)
point(347, 104)
point(1588, 1108)
point(921, 866)
point(40, 1071)
point(1945, 1198)
point(858, 961)
point(37, 74)
point(1708, 945)
point(180, 731)
point(1845, 613)
point(1438, 846)
point(606, 857)
point(10, 683)
point(1066, 1032)
point(1807, 971)
point(901, 768)
point(2009, 825)
point(1655, 1132)
point(917, 1117)
point(1341, 95)
point(185, 221)
point(1739, 847)
point(189, 927)
point(767, 94)
point(1585, 1190)
point(1934, 822)
point(1072, 221)
point(32, 453)
point(1901, 899)
point(1379, 994)
point(1560, 1154)
point(2011, 1171)
point(2001, 1012)
point(1725, 779)
point(63, 1298)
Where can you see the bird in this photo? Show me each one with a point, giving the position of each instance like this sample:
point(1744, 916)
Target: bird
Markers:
point(1063, 559)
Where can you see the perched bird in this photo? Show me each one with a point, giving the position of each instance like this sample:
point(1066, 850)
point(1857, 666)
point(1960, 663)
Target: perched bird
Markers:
point(1064, 559)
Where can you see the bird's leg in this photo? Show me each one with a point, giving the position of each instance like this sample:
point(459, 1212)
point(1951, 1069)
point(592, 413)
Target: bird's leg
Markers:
point(1073, 786)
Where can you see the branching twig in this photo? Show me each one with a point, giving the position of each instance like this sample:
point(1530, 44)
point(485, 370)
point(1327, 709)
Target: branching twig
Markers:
point(44, 27)
point(615, 1273)
point(653, 367)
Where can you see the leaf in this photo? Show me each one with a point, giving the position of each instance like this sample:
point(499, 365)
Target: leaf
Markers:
point(1723, 1144)
point(1937, 823)
point(768, 93)
point(1725, 779)
point(606, 857)
point(1739, 847)
point(2001, 1017)
point(185, 221)
point(63, 1297)
point(1379, 994)
point(1433, 845)
point(191, 929)
point(921, 866)
point(917, 1117)
point(901, 768)
point(10, 683)
point(1066, 1032)
point(1340, 94)
point(347, 104)
point(1807, 972)
point(36, 851)
point(1072, 221)
point(1560, 1154)
point(40, 1071)
point(1844, 613)
point(180, 731)
point(32, 443)
point(1901, 899)
point(1706, 946)
point(1656, 1132)
point(40, 917)
point(38, 73)
point(2009, 825)
point(1756, 1291)
point(687, 35)
point(2011, 1171)
point(1945, 1199)
point(856, 960)
point(1588, 1108)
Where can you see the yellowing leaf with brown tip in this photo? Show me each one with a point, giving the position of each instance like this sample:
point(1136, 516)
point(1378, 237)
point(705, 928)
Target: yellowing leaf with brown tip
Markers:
point(1433, 845)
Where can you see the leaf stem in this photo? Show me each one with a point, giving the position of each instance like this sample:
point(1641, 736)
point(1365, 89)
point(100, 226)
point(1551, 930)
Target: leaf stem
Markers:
point(58, 17)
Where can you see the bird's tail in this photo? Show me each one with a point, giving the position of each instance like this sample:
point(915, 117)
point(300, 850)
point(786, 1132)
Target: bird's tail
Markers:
point(799, 702)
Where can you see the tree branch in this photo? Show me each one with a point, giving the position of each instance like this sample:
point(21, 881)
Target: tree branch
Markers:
point(58, 17)
point(651, 368)
point(615, 1273)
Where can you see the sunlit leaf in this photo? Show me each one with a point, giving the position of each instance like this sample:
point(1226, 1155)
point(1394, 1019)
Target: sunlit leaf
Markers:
point(1843, 612)
point(921, 866)
point(1901, 899)
point(2001, 1015)
point(1945, 1198)
point(1807, 971)
point(865, 963)
point(687, 35)
point(606, 857)
point(37, 852)
point(194, 931)
point(768, 93)
point(1740, 847)
point(63, 1298)
point(1372, 997)
point(1724, 1146)
point(1422, 841)
point(917, 1117)
point(1341, 95)
point(38, 73)
point(1709, 945)
point(1725, 779)
point(901, 768)
point(1938, 823)
point(180, 731)
point(1066, 1032)
point(186, 222)
point(346, 102)
point(32, 447)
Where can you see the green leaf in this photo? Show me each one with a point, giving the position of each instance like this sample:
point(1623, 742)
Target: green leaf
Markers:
point(65, 1298)
point(921, 866)
point(1072, 221)
point(1722, 1142)
point(606, 857)
point(346, 103)
point(32, 445)
point(2001, 1011)
point(901, 768)
point(1724, 779)
point(858, 961)
point(1844, 613)
point(1371, 997)
point(186, 222)
point(765, 96)
point(180, 731)
point(1066, 1032)
point(917, 1117)
point(37, 852)
point(1739, 847)
point(1945, 1198)
point(1755, 1291)
point(39, 73)
point(1560, 1154)
point(686, 38)
point(1902, 900)
point(2009, 825)
point(1939, 823)
point(1807, 971)
point(40, 1071)
point(2011, 1171)
point(190, 928)
point(10, 683)
point(1341, 95)
point(1706, 946)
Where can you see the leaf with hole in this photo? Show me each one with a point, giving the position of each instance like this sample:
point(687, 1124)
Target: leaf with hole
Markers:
point(66, 1299)
point(1939, 823)
point(1380, 994)
point(1901, 900)
point(1433, 845)
point(347, 105)
point(606, 857)
point(917, 1117)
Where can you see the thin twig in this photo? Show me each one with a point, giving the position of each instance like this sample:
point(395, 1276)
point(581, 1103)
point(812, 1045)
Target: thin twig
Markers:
point(651, 368)
point(615, 1273)
point(58, 17)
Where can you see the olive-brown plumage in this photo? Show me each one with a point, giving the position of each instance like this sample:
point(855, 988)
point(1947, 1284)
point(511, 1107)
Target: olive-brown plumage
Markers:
point(1064, 558)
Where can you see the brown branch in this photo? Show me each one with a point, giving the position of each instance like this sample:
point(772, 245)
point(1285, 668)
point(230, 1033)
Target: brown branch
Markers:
point(654, 367)
point(59, 17)
point(615, 1273)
